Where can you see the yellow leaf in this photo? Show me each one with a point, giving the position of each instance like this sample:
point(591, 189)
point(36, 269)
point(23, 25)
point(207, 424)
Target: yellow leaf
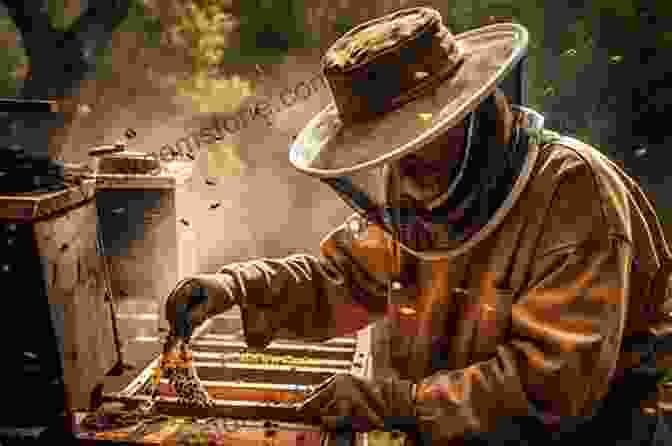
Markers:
point(223, 160)
point(425, 116)
point(340, 58)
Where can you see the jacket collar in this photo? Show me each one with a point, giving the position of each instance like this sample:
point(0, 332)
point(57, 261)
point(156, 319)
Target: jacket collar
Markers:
point(525, 118)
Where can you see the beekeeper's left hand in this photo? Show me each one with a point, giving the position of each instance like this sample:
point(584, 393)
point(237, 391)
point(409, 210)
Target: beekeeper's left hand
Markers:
point(346, 401)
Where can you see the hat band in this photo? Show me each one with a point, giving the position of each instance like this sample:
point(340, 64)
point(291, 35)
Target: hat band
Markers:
point(396, 77)
point(422, 88)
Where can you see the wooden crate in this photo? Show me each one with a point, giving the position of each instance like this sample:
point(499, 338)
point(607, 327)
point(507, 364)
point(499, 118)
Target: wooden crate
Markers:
point(59, 231)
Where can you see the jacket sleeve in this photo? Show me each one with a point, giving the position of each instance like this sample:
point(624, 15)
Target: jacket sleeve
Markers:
point(309, 297)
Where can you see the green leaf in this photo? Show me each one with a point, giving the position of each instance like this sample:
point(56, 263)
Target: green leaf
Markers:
point(104, 64)
point(285, 18)
point(343, 24)
point(11, 58)
point(56, 12)
point(549, 91)
point(664, 376)
point(664, 215)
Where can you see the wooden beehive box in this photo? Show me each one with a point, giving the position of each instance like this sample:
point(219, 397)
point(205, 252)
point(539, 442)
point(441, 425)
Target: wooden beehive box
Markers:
point(54, 235)
point(145, 247)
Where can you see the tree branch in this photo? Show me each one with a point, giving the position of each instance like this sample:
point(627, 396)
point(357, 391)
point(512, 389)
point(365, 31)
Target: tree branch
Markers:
point(59, 62)
point(32, 20)
point(103, 15)
point(93, 29)
point(28, 13)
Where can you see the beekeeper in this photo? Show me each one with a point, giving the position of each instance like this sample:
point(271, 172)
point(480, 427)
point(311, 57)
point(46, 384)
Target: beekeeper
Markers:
point(505, 266)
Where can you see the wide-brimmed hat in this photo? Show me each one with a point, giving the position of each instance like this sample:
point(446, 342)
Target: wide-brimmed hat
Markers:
point(397, 83)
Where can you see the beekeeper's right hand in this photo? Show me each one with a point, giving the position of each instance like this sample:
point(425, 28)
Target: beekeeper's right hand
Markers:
point(193, 300)
point(200, 297)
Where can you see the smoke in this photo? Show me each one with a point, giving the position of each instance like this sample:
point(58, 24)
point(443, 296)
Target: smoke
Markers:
point(269, 209)
point(266, 208)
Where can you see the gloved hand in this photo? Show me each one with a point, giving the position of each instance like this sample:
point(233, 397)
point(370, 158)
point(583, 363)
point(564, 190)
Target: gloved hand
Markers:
point(345, 401)
point(192, 301)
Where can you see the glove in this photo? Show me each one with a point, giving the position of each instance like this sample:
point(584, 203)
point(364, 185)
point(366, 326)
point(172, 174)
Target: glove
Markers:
point(345, 401)
point(195, 299)
point(192, 301)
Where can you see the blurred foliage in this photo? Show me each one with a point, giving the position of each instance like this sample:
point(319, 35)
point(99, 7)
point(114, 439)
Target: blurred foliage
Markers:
point(208, 95)
point(58, 14)
point(139, 20)
point(343, 24)
point(632, 37)
point(465, 15)
point(12, 59)
point(665, 215)
point(578, 43)
point(664, 376)
point(585, 134)
point(628, 25)
point(268, 30)
point(205, 27)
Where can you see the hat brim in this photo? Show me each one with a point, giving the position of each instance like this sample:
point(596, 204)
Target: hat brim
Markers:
point(326, 148)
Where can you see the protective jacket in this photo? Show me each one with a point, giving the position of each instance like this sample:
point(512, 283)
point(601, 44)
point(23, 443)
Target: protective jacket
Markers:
point(517, 333)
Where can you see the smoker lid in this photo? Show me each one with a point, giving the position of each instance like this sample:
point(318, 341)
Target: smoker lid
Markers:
point(128, 162)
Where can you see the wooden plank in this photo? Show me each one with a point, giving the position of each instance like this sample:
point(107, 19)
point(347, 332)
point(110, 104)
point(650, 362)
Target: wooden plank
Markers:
point(313, 351)
point(273, 374)
point(172, 430)
point(30, 206)
point(11, 105)
point(223, 392)
point(75, 281)
point(249, 410)
point(130, 181)
point(302, 360)
point(349, 343)
point(254, 386)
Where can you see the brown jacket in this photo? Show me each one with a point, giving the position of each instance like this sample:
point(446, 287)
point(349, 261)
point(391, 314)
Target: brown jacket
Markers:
point(532, 310)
